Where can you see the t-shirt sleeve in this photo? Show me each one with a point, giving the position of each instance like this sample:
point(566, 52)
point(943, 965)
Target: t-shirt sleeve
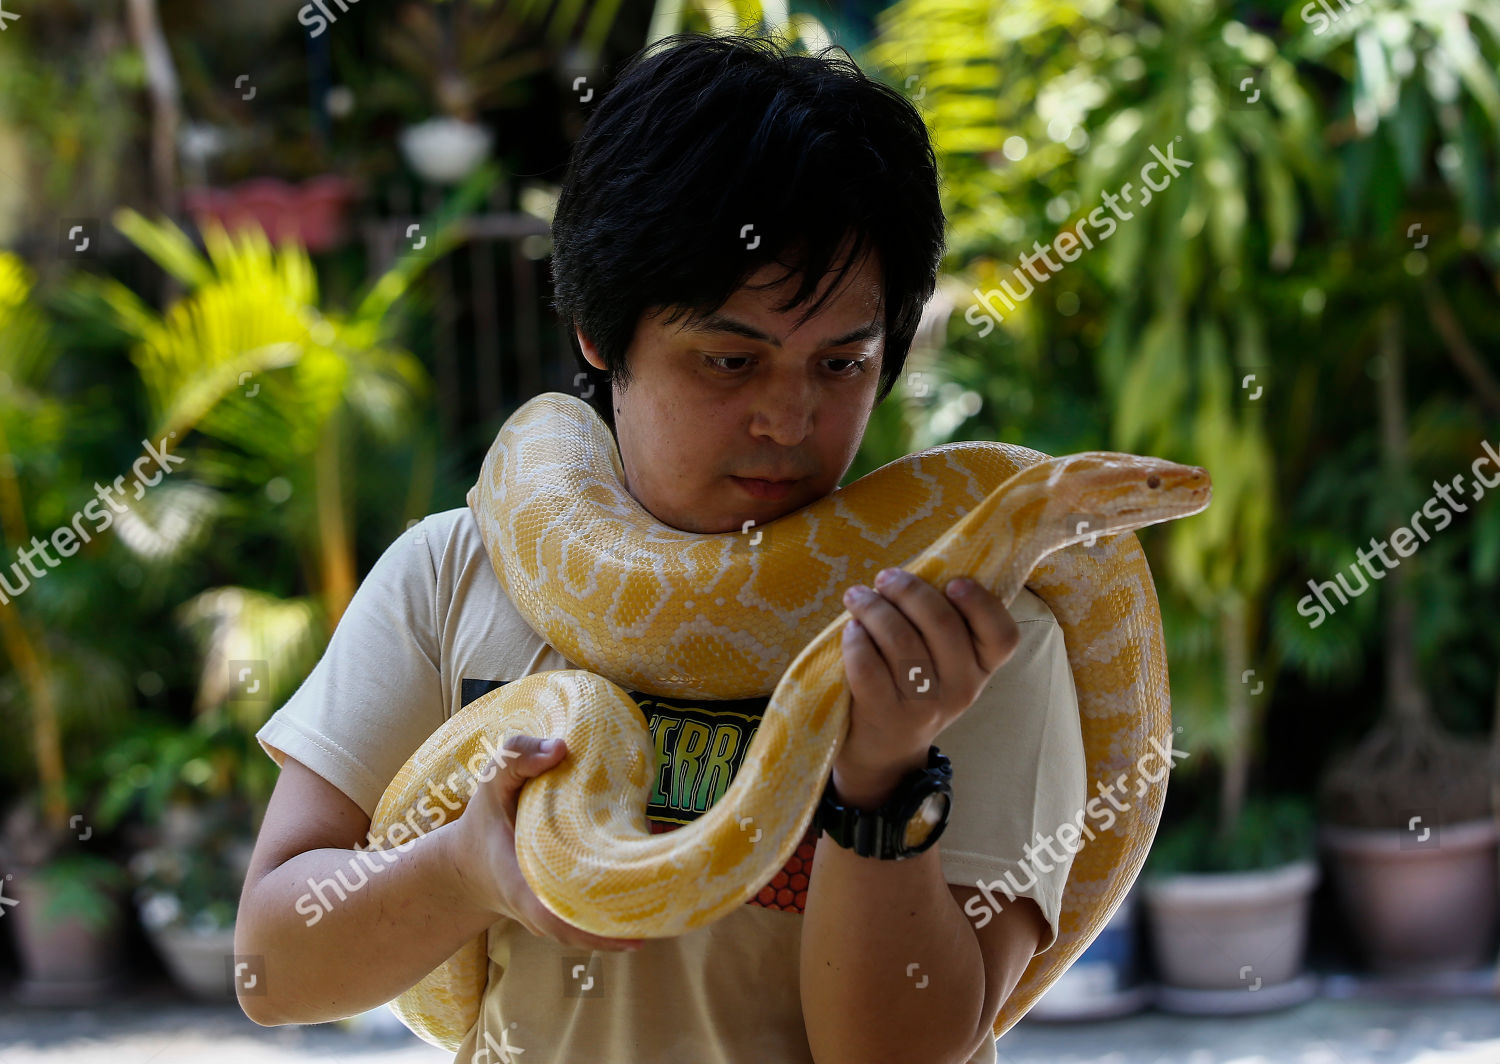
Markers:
point(1018, 774)
point(376, 693)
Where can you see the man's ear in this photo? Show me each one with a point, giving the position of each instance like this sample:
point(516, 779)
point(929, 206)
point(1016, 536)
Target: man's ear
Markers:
point(590, 352)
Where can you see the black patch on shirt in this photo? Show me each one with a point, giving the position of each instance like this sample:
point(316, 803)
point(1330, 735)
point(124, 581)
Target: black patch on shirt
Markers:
point(699, 746)
point(472, 689)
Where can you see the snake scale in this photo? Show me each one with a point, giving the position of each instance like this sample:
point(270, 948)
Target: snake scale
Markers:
point(642, 605)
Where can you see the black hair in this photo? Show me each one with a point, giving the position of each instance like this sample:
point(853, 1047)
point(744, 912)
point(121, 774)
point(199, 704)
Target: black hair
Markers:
point(703, 135)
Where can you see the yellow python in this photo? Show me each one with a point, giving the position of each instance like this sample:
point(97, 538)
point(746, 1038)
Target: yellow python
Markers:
point(749, 613)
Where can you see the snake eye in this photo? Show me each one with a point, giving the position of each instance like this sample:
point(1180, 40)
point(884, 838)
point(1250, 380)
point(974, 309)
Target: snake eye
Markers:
point(1153, 481)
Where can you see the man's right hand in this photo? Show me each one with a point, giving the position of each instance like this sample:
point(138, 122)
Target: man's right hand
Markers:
point(485, 834)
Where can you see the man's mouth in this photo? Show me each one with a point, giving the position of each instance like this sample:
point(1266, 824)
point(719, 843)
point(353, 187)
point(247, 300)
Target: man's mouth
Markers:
point(764, 488)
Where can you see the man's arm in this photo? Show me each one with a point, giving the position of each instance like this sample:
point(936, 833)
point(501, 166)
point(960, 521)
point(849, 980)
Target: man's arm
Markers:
point(874, 930)
point(892, 969)
point(315, 962)
point(414, 907)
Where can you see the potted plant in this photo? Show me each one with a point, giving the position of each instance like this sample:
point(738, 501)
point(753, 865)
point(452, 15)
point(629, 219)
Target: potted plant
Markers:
point(273, 388)
point(299, 380)
point(67, 915)
point(193, 795)
point(256, 374)
point(1413, 846)
point(469, 60)
point(1228, 913)
point(1087, 356)
point(1408, 814)
point(1408, 822)
point(186, 896)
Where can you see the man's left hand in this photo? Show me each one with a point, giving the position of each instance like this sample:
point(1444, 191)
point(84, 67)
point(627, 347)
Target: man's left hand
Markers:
point(916, 659)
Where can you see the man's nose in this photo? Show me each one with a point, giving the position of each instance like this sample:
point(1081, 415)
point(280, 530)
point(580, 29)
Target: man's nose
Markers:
point(784, 412)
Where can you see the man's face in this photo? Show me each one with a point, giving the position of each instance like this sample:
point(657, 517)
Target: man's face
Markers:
point(748, 394)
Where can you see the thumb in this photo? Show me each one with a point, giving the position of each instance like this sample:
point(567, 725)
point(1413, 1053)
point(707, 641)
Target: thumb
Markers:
point(535, 756)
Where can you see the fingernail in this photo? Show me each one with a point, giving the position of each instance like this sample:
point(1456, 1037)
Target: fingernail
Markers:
point(955, 588)
point(548, 745)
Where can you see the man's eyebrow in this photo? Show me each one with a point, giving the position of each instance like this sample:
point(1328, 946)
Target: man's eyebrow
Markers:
point(723, 323)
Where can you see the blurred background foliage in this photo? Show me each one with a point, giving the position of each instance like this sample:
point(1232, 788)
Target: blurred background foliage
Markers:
point(1334, 219)
point(1341, 180)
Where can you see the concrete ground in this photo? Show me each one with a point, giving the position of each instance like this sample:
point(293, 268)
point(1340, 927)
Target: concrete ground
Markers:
point(156, 1027)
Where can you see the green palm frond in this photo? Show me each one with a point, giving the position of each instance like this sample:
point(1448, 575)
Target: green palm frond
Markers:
point(206, 361)
point(25, 356)
point(32, 419)
point(251, 365)
point(283, 637)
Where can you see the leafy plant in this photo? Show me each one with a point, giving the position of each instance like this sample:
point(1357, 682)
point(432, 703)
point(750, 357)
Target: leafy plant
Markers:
point(1420, 85)
point(1229, 279)
point(737, 16)
point(268, 392)
point(81, 886)
point(1418, 131)
point(214, 760)
point(194, 883)
point(1039, 112)
point(1267, 834)
point(68, 83)
point(469, 60)
point(66, 637)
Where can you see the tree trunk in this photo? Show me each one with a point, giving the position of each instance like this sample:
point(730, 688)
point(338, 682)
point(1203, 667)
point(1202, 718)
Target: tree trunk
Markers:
point(166, 110)
point(1234, 780)
point(28, 656)
point(1406, 701)
point(337, 553)
point(1460, 350)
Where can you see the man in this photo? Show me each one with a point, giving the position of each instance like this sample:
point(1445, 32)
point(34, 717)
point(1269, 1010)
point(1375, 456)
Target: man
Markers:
point(719, 187)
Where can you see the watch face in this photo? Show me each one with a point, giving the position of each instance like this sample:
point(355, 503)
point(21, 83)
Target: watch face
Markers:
point(931, 813)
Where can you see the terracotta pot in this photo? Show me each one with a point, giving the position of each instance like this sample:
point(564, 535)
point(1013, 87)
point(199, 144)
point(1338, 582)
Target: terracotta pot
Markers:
point(66, 962)
point(1418, 903)
point(1232, 931)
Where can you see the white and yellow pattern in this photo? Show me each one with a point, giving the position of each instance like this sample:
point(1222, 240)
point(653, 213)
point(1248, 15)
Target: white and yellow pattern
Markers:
point(736, 615)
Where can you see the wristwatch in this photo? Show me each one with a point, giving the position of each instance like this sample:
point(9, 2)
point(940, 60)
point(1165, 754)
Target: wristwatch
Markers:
point(908, 823)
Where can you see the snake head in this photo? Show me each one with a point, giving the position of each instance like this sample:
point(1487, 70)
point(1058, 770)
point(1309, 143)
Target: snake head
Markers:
point(1107, 492)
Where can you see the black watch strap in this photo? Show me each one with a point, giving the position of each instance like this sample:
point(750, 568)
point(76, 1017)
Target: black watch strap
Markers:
point(919, 806)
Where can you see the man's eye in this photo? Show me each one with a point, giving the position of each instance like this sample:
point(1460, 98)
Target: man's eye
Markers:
point(850, 367)
point(716, 359)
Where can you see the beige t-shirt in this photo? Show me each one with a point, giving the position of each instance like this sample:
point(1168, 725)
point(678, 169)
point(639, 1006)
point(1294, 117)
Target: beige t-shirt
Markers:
point(430, 629)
